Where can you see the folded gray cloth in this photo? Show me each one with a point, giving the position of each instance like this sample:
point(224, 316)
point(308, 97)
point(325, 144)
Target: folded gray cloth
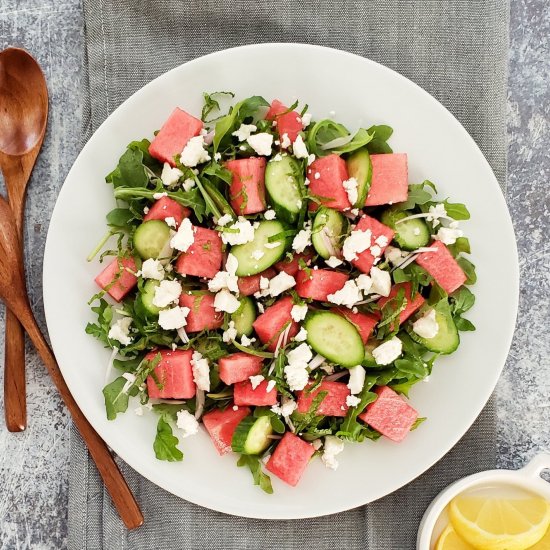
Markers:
point(455, 49)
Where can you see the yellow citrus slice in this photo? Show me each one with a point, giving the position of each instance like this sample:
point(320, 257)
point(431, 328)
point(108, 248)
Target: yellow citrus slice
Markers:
point(500, 524)
point(543, 543)
point(449, 540)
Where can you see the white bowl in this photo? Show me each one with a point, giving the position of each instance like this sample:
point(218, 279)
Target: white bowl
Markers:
point(527, 478)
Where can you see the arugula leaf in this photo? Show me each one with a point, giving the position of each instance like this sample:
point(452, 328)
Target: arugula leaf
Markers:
point(302, 421)
point(104, 317)
point(128, 365)
point(143, 146)
point(469, 270)
point(419, 194)
point(218, 200)
point(116, 401)
point(417, 422)
point(456, 210)
point(350, 429)
point(276, 423)
point(120, 217)
point(412, 367)
point(322, 132)
point(463, 324)
point(417, 275)
point(130, 171)
point(211, 104)
point(461, 300)
point(462, 245)
point(165, 444)
point(255, 466)
point(168, 410)
point(213, 169)
point(381, 135)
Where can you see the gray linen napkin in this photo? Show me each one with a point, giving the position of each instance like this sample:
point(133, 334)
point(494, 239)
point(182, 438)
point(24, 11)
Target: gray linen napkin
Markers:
point(455, 49)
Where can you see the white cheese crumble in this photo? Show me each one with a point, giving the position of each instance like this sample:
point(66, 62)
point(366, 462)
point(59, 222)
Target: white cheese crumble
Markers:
point(146, 210)
point(246, 341)
point(448, 235)
point(426, 326)
point(167, 293)
point(394, 255)
point(170, 221)
point(188, 184)
point(257, 254)
point(285, 141)
point(226, 279)
point(264, 283)
point(278, 156)
point(240, 232)
point(261, 143)
point(333, 446)
point(301, 336)
point(298, 312)
point(303, 239)
point(244, 131)
point(158, 196)
point(286, 408)
point(169, 175)
point(174, 318)
point(120, 331)
point(217, 156)
point(230, 334)
point(224, 220)
point(201, 371)
point(255, 381)
point(347, 296)
point(270, 385)
point(194, 152)
point(352, 400)
point(333, 262)
point(269, 214)
point(364, 283)
point(299, 148)
point(225, 301)
point(306, 120)
point(387, 352)
point(356, 379)
point(350, 186)
point(382, 241)
point(296, 373)
point(184, 237)
point(152, 269)
point(261, 307)
point(357, 242)
point(310, 161)
point(187, 423)
point(381, 281)
point(375, 250)
point(281, 282)
point(435, 212)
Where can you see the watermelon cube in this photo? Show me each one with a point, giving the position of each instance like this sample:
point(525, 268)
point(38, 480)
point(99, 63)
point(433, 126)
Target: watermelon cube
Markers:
point(269, 325)
point(390, 181)
point(202, 315)
point(290, 458)
point(288, 122)
point(243, 394)
point(412, 303)
point(247, 190)
point(174, 135)
point(334, 403)
point(381, 236)
point(326, 176)
point(166, 207)
point(237, 367)
point(364, 322)
point(251, 284)
point(390, 415)
point(174, 373)
point(221, 425)
point(317, 284)
point(291, 267)
point(125, 282)
point(204, 257)
point(442, 267)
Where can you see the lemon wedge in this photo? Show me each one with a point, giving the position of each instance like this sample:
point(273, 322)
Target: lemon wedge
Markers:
point(449, 540)
point(500, 524)
point(543, 543)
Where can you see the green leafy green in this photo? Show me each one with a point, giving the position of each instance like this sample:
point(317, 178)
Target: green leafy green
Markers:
point(469, 270)
point(419, 194)
point(165, 444)
point(104, 318)
point(259, 477)
point(379, 143)
point(461, 246)
point(456, 210)
point(120, 217)
point(303, 421)
point(351, 429)
point(211, 104)
point(417, 422)
point(116, 400)
point(130, 171)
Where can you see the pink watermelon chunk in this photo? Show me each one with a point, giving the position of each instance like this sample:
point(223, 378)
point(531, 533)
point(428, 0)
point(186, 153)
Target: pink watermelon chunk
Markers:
point(364, 322)
point(319, 283)
point(269, 325)
point(291, 267)
point(442, 267)
point(126, 281)
point(204, 257)
point(390, 181)
point(326, 176)
point(251, 284)
point(412, 304)
point(243, 394)
point(390, 415)
point(289, 123)
point(290, 458)
point(166, 207)
point(202, 315)
point(379, 231)
point(334, 403)
point(247, 190)
point(174, 373)
point(237, 367)
point(174, 135)
point(221, 425)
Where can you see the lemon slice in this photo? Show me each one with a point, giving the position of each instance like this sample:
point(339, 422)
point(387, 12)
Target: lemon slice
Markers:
point(449, 540)
point(500, 524)
point(543, 543)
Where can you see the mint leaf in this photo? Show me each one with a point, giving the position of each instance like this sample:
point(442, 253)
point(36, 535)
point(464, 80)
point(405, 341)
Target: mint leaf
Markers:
point(165, 444)
point(259, 477)
point(211, 104)
point(116, 401)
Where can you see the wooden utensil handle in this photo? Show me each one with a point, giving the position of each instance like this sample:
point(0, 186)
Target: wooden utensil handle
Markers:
point(123, 499)
point(15, 398)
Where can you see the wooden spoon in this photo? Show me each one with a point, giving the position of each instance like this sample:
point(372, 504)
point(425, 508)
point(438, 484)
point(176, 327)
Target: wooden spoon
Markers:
point(24, 112)
point(14, 294)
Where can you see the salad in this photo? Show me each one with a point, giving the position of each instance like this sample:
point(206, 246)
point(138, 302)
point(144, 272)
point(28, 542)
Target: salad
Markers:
point(277, 279)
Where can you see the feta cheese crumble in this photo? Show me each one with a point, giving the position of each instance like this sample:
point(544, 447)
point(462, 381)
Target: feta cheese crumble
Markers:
point(194, 152)
point(286, 408)
point(357, 242)
point(230, 334)
point(240, 232)
point(244, 131)
point(333, 446)
point(270, 385)
point(225, 301)
point(281, 282)
point(158, 196)
point(303, 239)
point(364, 283)
point(120, 331)
point(173, 318)
point(352, 400)
point(448, 235)
point(381, 281)
point(285, 141)
point(184, 237)
point(226, 279)
point(299, 148)
point(170, 221)
point(296, 373)
point(152, 269)
point(387, 352)
point(201, 371)
point(246, 341)
point(269, 214)
point(187, 423)
point(255, 381)
point(298, 312)
point(333, 262)
point(306, 120)
point(426, 326)
point(188, 184)
point(261, 143)
point(347, 296)
point(169, 175)
point(394, 255)
point(168, 292)
point(224, 220)
point(350, 186)
point(435, 212)
point(301, 336)
point(356, 379)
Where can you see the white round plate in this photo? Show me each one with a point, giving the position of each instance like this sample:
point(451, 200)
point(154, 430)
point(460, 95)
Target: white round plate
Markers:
point(439, 149)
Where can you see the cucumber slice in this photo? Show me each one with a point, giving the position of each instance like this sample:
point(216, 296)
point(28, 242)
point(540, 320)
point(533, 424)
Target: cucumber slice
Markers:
point(369, 360)
point(447, 339)
point(150, 238)
point(334, 338)
point(409, 235)
point(360, 167)
point(244, 316)
point(245, 253)
point(147, 295)
point(284, 183)
point(252, 435)
point(329, 229)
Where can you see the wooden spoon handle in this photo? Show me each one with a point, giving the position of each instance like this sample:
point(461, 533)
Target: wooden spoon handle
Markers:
point(15, 398)
point(123, 499)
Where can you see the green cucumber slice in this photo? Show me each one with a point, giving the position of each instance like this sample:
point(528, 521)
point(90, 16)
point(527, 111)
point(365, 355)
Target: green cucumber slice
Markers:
point(360, 167)
point(447, 338)
point(146, 296)
point(252, 435)
point(150, 238)
point(244, 317)
point(369, 360)
point(328, 232)
point(284, 183)
point(409, 235)
point(248, 264)
point(334, 338)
